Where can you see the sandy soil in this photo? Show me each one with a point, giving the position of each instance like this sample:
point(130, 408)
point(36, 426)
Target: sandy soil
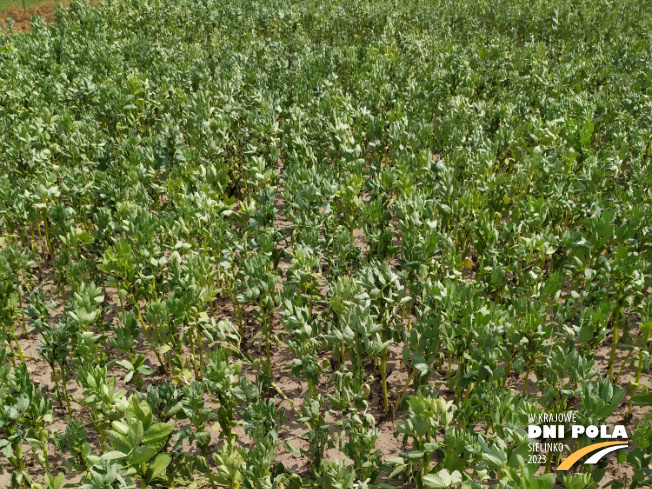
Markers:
point(21, 17)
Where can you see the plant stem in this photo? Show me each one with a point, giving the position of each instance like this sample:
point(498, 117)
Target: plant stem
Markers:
point(273, 384)
point(45, 456)
point(122, 306)
point(639, 367)
point(404, 389)
point(20, 323)
point(65, 389)
point(629, 355)
point(468, 392)
point(268, 347)
point(200, 345)
point(13, 356)
point(146, 330)
point(46, 226)
point(21, 318)
point(194, 356)
point(508, 370)
point(383, 374)
point(614, 345)
point(238, 319)
point(548, 462)
point(37, 250)
point(15, 336)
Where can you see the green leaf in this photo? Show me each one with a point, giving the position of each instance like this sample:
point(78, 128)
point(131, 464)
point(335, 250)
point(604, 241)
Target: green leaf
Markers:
point(125, 364)
point(136, 433)
point(443, 478)
point(293, 451)
point(145, 370)
point(546, 481)
point(158, 466)
point(432, 480)
point(415, 455)
point(158, 433)
point(586, 333)
point(113, 455)
point(142, 454)
point(58, 480)
point(642, 400)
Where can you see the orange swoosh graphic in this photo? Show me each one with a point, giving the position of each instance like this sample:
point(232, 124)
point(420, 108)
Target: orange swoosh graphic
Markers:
point(575, 456)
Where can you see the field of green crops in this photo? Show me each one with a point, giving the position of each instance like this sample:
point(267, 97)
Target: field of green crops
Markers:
point(343, 244)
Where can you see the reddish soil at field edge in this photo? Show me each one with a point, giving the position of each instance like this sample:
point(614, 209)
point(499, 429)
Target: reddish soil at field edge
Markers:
point(21, 17)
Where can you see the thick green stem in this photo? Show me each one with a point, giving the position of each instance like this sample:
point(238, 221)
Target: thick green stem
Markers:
point(146, 331)
point(268, 347)
point(614, 344)
point(200, 345)
point(508, 370)
point(19, 457)
point(639, 368)
point(15, 337)
point(527, 375)
point(404, 389)
point(13, 353)
point(34, 244)
point(45, 456)
point(194, 356)
point(99, 430)
point(469, 389)
point(549, 456)
point(122, 306)
point(21, 323)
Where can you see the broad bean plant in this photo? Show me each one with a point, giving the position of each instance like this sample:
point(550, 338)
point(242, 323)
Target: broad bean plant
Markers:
point(347, 244)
